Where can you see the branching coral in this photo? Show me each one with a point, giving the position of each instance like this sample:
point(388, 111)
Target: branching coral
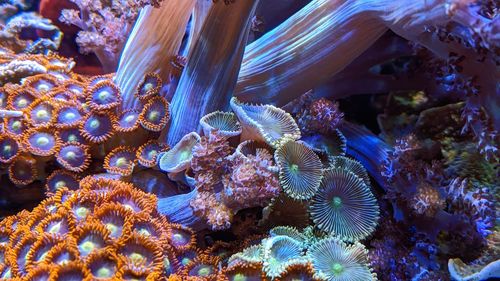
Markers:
point(321, 116)
point(104, 27)
point(222, 179)
point(232, 184)
point(476, 203)
point(11, 34)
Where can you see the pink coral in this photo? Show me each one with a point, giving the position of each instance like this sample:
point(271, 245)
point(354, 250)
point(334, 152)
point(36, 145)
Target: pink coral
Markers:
point(206, 205)
point(427, 200)
point(321, 116)
point(226, 184)
point(251, 182)
point(209, 160)
point(105, 26)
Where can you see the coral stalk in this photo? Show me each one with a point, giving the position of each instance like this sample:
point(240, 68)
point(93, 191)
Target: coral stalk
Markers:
point(329, 35)
point(201, 10)
point(207, 82)
point(305, 50)
point(154, 41)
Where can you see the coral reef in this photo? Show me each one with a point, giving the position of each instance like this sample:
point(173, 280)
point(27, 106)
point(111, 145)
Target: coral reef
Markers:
point(205, 140)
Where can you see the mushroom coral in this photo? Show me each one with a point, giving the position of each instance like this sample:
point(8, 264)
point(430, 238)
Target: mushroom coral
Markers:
point(334, 260)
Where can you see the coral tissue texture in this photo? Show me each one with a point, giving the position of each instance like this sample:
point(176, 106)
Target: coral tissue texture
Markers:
point(249, 140)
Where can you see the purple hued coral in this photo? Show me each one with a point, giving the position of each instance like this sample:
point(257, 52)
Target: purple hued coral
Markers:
point(105, 27)
point(250, 140)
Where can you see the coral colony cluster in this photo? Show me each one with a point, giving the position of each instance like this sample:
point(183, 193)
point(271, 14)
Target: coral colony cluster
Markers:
point(246, 140)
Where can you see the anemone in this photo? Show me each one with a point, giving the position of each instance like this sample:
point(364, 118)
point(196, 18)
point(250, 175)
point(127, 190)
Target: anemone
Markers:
point(225, 123)
point(352, 166)
point(178, 158)
point(121, 161)
point(75, 87)
point(9, 149)
point(61, 96)
point(215, 52)
point(41, 142)
point(265, 123)
point(251, 147)
point(56, 224)
point(103, 96)
point(252, 254)
point(71, 271)
point(62, 253)
point(141, 254)
point(15, 126)
point(20, 254)
point(155, 115)
point(104, 265)
point(334, 260)
point(344, 206)
point(148, 152)
point(74, 157)
point(22, 171)
point(180, 237)
point(300, 169)
point(21, 99)
point(68, 116)
point(150, 227)
point(40, 83)
point(288, 231)
point(41, 272)
point(333, 144)
point(279, 252)
point(71, 135)
point(91, 238)
point(59, 179)
point(149, 87)
point(244, 271)
point(116, 218)
point(131, 199)
point(302, 271)
point(144, 54)
point(127, 121)
point(97, 127)
point(94, 80)
point(271, 67)
point(41, 113)
point(39, 251)
point(203, 267)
